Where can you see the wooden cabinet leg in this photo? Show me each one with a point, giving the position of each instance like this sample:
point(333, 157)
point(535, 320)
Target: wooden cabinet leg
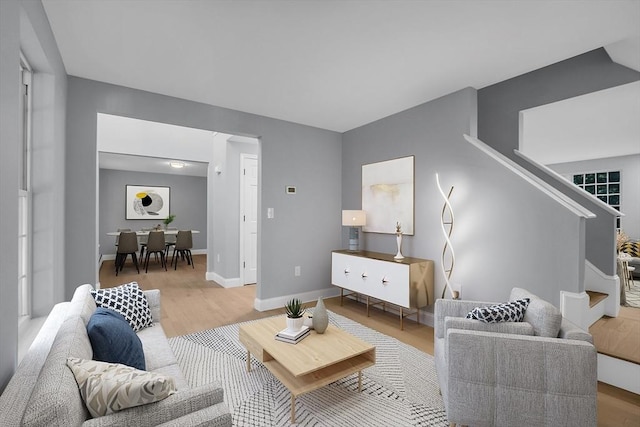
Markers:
point(401, 319)
point(248, 361)
point(359, 380)
point(293, 408)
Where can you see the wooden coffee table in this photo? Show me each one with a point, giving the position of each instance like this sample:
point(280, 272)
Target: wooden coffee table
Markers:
point(314, 362)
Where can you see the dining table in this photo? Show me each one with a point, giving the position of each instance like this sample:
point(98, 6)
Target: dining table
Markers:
point(142, 233)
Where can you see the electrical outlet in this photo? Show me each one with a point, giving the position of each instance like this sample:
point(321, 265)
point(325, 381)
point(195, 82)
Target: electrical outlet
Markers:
point(270, 213)
point(296, 270)
point(218, 257)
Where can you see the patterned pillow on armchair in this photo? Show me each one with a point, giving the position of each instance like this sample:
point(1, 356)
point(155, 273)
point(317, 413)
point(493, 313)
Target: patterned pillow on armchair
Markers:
point(632, 248)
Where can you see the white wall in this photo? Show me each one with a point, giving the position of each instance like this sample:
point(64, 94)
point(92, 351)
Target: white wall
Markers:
point(629, 166)
point(290, 154)
point(24, 26)
point(507, 233)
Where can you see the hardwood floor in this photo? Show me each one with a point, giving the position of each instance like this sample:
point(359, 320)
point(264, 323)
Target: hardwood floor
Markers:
point(619, 337)
point(190, 304)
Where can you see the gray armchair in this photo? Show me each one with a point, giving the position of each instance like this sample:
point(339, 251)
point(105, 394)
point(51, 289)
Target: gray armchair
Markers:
point(538, 372)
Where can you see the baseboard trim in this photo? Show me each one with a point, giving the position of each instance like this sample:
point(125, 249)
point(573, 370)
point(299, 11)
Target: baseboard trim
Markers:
point(279, 302)
point(619, 373)
point(222, 281)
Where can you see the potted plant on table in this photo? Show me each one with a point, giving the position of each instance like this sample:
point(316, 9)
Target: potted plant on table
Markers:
point(294, 310)
point(168, 220)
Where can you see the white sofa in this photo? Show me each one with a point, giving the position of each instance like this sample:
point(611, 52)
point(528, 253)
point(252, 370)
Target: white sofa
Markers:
point(43, 390)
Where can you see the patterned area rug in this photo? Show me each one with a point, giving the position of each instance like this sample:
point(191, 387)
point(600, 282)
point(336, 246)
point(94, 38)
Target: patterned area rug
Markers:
point(400, 390)
point(633, 295)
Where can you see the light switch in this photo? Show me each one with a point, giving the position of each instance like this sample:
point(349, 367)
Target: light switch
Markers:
point(270, 213)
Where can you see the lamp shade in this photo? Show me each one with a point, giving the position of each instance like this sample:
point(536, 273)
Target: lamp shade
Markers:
point(354, 218)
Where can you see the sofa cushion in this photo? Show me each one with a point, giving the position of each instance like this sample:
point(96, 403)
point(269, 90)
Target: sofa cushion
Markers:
point(110, 387)
point(507, 312)
point(543, 316)
point(128, 300)
point(113, 340)
point(157, 351)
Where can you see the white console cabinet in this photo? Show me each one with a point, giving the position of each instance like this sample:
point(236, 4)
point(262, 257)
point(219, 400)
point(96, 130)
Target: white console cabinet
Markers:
point(406, 283)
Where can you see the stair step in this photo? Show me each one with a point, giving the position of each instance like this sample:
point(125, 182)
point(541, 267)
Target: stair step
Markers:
point(595, 297)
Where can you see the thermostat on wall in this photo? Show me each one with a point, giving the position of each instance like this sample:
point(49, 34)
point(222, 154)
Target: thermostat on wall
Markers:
point(290, 189)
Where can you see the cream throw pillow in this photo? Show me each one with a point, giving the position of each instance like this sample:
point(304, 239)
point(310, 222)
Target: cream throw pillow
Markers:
point(109, 387)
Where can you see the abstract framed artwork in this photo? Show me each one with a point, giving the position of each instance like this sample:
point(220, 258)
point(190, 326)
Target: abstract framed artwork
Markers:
point(388, 195)
point(146, 202)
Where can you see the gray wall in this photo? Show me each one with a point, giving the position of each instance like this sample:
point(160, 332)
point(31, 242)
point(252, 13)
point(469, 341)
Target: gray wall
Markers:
point(227, 223)
point(188, 200)
point(24, 25)
point(498, 126)
point(290, 154)
point(630, 189)
point(505, 229)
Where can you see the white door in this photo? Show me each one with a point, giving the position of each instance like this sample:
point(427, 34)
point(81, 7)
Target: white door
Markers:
point(249, 219)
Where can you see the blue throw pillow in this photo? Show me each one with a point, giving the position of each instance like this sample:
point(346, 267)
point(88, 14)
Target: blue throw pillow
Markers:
point(113, 340)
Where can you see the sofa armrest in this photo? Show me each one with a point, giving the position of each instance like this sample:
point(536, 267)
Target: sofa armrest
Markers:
point(175, 406)
point(214, 416)
point(453, 308)
point(496, 379)
point(153, 297)
point(571, 331)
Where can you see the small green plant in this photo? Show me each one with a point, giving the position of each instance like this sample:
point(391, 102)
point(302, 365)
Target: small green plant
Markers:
point(294, 308)
point(169, 219)
point(398, 228)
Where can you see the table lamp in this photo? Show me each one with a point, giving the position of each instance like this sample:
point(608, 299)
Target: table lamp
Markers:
point(354, 219)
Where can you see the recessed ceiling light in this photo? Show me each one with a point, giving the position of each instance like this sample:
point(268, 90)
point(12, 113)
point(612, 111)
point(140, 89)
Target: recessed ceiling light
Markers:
point(176, 164)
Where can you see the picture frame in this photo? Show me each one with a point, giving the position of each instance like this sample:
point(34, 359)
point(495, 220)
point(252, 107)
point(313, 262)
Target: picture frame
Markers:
point(147, 202)
point(388, 195)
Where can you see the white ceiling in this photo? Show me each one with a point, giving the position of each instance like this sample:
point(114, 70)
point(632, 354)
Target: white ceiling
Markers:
point(596, 125)
point(127, 162)
point(331, 64)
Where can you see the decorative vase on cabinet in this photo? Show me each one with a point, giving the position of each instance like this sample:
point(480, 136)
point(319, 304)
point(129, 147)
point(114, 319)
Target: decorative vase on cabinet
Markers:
point(320, 317)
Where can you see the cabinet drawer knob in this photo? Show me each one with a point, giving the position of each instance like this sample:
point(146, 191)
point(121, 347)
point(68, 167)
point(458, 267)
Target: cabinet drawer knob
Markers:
point(347, 271)
point(385, 279)
point(364, 275)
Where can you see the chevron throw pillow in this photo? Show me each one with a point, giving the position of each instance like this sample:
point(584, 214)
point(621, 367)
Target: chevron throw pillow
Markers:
point(128, 300)
point(507, 312)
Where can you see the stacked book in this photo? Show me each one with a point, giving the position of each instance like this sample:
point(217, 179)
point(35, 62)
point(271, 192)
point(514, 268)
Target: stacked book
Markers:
point(293, 337)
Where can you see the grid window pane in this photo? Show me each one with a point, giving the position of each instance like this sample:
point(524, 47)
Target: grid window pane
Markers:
point(603, 185)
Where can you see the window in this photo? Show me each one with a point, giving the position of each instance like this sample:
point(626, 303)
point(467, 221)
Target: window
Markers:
point(603, 185)
point(24, 196)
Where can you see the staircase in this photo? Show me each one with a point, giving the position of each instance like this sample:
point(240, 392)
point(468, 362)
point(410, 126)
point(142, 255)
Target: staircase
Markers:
point(615, 332)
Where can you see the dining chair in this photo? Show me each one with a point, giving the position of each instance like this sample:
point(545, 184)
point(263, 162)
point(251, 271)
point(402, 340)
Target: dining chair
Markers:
point(120, 230)
point(142, 241)
point(170, 240)
point(184, 243)
point(155, 245)
point(127, 244)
